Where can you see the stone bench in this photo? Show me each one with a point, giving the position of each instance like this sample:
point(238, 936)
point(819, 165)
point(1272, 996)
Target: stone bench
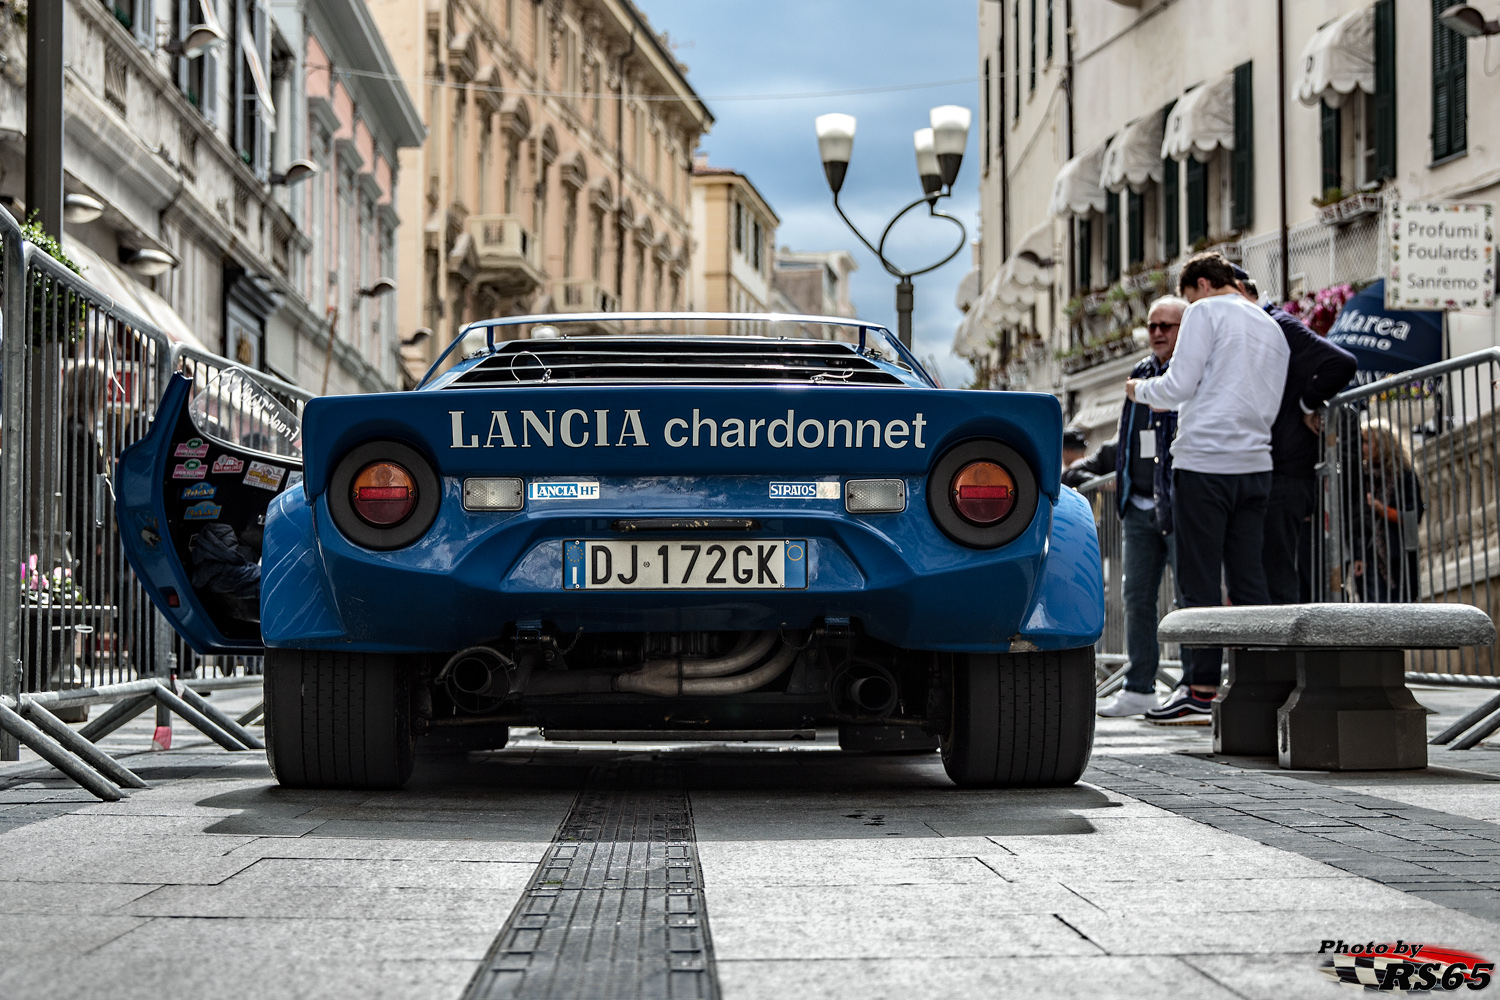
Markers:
point(1323, 686)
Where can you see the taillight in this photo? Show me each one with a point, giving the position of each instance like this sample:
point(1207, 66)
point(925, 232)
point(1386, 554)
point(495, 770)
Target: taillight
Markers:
point(384, 494)
point(983, 493)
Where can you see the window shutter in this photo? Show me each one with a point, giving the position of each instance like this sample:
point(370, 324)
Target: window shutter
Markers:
point(1450, 86)
point(144, 24)
point(1135, 231)
point(1242, 159)
point(1197, 201)
point(1383, 111)
point(1085, 253)
point(1171, 217)
point(1033, 46)
point(1331, 134)
point(208, 101)
point(1112, 238)
point(1051, 45)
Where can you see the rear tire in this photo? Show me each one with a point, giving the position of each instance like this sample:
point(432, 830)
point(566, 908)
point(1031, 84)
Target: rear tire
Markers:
point(1020, 720)
point(338, 720)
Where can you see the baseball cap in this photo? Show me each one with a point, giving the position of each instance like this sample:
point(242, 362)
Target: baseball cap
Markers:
point(1075, 438)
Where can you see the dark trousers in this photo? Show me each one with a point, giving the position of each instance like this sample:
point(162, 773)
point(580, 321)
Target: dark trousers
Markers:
point(1288, 549)
point(1219, 521)
point(1147, 554)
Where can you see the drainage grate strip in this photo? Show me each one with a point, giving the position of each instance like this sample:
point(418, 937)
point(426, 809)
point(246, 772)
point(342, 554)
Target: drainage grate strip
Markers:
point(616, 906)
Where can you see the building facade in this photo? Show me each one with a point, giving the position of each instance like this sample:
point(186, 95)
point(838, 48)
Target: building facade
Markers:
point(193, 154)
point(557, 171)
point(735, 231)
point(814, 283)
point(1118, 143)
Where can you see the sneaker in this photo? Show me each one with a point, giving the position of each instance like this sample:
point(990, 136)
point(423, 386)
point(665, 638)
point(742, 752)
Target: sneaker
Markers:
point(1184, 708)
point(1127, 703)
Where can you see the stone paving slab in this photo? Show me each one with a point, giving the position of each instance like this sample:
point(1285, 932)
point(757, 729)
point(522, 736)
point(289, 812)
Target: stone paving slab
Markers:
point(1087, 977)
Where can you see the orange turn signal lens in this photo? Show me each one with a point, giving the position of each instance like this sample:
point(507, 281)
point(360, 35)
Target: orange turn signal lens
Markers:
point(983, 493)
point(384, 494)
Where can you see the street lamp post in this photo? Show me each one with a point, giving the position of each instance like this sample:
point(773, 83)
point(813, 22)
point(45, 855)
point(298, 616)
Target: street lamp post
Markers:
point(940, 153)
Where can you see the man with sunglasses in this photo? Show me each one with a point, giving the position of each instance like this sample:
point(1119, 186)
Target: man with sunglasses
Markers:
point(1143, 497)
point(1226, 381)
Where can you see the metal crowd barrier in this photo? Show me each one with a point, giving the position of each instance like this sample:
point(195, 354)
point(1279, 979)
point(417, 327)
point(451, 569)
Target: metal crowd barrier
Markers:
point(1110, 657)
point(80, 379)
point(1406, 501)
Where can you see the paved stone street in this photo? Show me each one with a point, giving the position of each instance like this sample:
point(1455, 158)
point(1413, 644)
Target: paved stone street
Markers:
point(822, 874)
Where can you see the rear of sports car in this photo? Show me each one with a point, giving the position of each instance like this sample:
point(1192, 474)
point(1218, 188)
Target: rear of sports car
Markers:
point(727, 538)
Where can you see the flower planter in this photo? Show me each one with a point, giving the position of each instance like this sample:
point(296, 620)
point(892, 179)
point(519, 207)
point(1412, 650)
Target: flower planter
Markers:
point(1351, 208)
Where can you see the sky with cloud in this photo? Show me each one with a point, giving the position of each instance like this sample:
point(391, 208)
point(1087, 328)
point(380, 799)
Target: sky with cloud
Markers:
point(767, 68)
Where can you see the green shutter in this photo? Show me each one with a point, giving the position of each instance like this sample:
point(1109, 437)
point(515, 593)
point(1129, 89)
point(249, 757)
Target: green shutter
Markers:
point(1197, 201)
point(1383, 102)
point(1450, 87)
point(1112, 238)
point(1085, 253)
point(1242, 159)
point(1331, 135)
point(1171, 218)
point(1135, 228)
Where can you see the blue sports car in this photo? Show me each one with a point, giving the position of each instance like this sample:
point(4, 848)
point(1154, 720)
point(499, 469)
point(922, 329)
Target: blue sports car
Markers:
point(693, 526)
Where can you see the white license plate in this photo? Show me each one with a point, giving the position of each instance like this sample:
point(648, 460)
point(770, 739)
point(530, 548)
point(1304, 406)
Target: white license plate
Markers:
point(707, 564)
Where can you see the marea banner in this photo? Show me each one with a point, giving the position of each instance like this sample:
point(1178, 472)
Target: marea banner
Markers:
point(1386, 341)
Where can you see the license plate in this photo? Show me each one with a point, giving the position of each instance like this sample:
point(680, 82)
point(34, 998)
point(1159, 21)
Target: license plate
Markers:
point(709, 564)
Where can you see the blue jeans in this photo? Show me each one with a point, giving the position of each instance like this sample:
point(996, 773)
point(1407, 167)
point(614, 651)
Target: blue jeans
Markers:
point(1147, 553)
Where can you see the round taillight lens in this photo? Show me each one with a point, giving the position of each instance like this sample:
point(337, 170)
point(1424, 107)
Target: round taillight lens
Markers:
point(983, 493)
point(384, 494)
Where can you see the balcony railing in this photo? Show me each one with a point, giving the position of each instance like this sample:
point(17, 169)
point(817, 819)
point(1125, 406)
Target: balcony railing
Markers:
point(507, 253)
point(582, 295)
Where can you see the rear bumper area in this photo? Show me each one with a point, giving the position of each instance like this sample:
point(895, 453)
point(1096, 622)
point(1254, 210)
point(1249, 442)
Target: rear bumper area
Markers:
point(474, 575)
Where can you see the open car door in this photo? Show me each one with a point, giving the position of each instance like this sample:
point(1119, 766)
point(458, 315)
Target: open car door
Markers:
point(191, 500)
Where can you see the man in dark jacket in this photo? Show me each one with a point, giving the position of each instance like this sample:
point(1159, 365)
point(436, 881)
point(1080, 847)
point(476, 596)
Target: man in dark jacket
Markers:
point(1315, 373)
point(1143, 476)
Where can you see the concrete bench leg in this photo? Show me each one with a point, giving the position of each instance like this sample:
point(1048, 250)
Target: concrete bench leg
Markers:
point(1259, 683)
point(1351, 711)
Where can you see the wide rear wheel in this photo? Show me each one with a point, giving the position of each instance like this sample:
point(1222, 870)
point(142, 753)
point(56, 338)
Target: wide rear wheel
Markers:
point(1020, 720)
point(338, 720)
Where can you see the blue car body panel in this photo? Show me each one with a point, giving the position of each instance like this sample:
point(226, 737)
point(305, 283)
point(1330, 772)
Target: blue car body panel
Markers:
point(659, 450)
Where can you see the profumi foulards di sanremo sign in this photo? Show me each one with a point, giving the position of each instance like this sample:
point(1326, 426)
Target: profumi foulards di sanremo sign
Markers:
point(606, 428)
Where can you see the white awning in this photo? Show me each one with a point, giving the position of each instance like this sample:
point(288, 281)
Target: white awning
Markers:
point(1031, 264)
point(1201, 121)
point(1099, 414)
point(968, 290)
point(112, 281)
point(1076, 190)
point(1339, 59)
point(1133, 157)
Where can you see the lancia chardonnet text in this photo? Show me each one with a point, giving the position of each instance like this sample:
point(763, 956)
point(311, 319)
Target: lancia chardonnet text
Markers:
point(622, 429)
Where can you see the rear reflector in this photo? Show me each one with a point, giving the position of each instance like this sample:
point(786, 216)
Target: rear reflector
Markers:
point(875, 496)
point(493, 494)
point(173, 601)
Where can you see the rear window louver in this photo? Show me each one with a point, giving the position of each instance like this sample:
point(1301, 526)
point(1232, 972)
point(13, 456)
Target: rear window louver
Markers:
point(616, 361)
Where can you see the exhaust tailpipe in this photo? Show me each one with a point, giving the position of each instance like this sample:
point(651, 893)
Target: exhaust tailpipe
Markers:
point(480, 671)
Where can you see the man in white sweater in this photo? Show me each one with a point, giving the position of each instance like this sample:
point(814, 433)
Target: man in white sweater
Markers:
point(1225, 381)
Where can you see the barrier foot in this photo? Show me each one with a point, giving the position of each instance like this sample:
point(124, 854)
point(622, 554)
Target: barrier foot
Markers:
point(53, 753)
point(119, 713)
point(1478, 733)
point(196, 719)
point(220, 718)
point(248, 719)
point(74, 742)
point(1462, 725)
